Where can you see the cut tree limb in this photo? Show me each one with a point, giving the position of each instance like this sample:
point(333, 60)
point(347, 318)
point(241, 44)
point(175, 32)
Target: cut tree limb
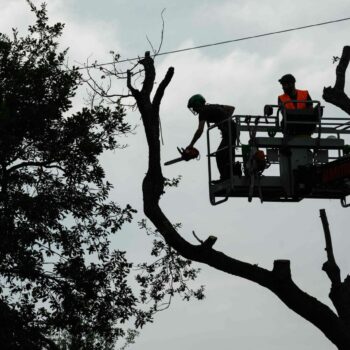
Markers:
point(340, 291)
point(336, 94)
point(330, 266)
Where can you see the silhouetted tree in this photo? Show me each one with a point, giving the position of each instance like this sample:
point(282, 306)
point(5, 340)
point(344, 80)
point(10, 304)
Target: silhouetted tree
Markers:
point(334, 325)
point(59, 280)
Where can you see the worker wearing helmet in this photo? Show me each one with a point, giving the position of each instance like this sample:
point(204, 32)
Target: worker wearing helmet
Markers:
point(217, 114)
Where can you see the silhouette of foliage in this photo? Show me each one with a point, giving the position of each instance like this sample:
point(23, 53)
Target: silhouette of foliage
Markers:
point(168, 275)
point(61, 284)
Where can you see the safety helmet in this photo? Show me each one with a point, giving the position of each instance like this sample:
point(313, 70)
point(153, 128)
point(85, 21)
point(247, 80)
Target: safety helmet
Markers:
point(196, 101)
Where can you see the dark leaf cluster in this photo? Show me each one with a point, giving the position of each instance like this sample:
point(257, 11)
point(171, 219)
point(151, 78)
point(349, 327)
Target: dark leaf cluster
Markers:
point(174, 182)
point(168, 275)
point(58, 274)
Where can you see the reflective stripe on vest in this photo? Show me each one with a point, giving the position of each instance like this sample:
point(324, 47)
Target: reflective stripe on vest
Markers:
point(301, 95)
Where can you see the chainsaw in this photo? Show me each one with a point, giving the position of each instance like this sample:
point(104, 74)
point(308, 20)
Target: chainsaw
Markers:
point(186, 154)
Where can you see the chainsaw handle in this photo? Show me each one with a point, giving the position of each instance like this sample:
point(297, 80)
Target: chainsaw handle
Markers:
point(188, 154)
point(181, 150)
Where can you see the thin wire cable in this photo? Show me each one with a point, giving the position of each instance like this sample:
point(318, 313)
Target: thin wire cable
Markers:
point(222, 42)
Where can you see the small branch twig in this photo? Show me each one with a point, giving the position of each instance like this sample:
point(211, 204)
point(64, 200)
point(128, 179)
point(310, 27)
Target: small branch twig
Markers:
point(197, 238)
point(162, 33)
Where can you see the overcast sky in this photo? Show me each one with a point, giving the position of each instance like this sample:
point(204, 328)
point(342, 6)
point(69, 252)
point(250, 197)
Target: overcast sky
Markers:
point(236, 314)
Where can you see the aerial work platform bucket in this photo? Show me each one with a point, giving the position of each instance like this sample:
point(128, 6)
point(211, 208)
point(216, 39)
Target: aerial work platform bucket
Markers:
point(306, 155)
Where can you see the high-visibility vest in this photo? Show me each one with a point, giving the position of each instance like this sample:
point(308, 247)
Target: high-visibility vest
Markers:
point(302, 95)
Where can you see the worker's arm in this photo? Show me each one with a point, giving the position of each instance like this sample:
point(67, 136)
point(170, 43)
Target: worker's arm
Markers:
point(197, 134)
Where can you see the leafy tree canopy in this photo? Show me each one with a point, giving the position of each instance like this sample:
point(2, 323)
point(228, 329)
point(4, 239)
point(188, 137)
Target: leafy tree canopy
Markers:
point(59, 275)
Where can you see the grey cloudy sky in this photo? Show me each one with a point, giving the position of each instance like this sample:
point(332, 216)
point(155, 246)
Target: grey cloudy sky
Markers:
point(236, 314)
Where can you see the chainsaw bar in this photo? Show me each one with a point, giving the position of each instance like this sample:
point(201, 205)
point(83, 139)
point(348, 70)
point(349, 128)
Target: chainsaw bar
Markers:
point(176, 160)
point(173, 161)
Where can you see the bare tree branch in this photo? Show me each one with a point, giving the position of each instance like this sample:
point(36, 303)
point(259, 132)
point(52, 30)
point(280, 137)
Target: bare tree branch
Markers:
point(336, 94)
point(37, 164)
point(150, 44)
point(134, 91)
point(330, 267)
point(162, 33)
point(161, 88)
point(341, 69)
point(340, 291)
point(150, 75)
point(156, 51)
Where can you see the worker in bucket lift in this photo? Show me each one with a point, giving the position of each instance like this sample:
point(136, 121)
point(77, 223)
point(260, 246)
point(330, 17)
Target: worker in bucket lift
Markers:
point(293, 94)
point(285, 102)
point(217, 114)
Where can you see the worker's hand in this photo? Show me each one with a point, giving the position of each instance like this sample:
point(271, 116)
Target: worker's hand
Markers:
point(186, 153)
point(190, 153)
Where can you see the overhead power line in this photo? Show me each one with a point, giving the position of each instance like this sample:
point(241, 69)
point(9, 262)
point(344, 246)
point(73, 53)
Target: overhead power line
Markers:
point(223, 42)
